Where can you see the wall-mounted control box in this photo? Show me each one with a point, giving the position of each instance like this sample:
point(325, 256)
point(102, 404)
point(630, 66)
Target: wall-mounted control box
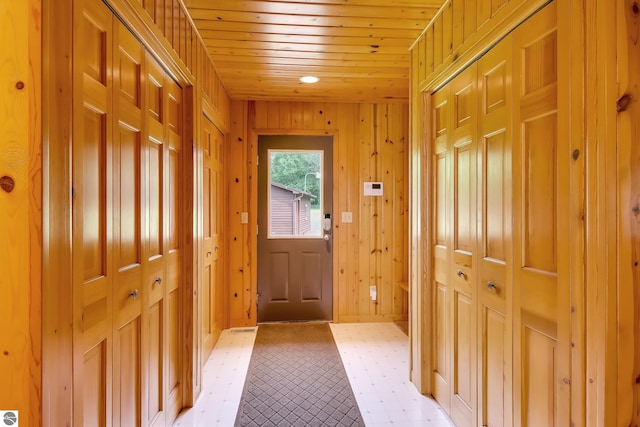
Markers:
point(373, 189)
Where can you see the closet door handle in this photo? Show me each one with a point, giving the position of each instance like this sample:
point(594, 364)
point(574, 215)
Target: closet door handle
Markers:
point(134, 294)
point(158, 281)
point(492, 287)
point(460, 273)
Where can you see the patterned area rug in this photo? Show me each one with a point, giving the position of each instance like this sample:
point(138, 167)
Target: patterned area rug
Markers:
point(296, 378)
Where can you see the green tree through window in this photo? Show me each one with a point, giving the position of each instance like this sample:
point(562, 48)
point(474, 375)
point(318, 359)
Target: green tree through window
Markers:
point(291, 168)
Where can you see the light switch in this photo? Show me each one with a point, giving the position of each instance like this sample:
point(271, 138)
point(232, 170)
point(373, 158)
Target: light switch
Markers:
point(244, 217)
point(373, 292)
point(347, 217)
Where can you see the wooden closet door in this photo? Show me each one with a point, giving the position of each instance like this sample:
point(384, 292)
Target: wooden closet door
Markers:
point(463, 268)
point(92, 216)
point(454, 213)
point(174, 207)
point(495, 264)
point(128, 188)
point(155, 245)
point(441, 208)
point(164, 240)
point(541, 197)
point(212, 296)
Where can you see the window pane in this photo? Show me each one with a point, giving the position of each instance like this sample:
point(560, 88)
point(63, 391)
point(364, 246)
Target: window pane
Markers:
point(295, 193)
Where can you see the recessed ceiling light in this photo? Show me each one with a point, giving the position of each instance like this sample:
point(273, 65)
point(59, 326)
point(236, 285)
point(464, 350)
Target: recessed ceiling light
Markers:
point(309, 79)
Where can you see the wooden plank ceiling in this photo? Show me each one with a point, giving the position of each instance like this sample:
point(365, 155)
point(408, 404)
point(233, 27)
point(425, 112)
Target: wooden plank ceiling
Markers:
point(357, 48)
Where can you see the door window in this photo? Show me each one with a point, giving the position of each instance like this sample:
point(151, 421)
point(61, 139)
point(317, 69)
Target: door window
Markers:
point(295, 193)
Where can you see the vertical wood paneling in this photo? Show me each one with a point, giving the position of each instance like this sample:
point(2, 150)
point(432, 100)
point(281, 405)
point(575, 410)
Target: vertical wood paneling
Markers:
point(57, 296)
point(457, 28)
point(470, 18)
point(239, 264)
point(366, 255)
point(369, 145)
point(628, 235)
point(438, 40)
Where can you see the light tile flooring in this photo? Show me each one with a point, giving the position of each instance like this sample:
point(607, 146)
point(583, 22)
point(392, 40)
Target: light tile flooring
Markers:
point(375, 356)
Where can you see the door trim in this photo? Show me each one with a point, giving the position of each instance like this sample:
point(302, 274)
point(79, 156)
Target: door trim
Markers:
point(254, 134)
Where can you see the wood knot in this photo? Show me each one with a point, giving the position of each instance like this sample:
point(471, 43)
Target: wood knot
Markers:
point(635, 8)
point(20, 85)
point(638, 379)
point(576, 154)
point(7, 184)
point(623, 103)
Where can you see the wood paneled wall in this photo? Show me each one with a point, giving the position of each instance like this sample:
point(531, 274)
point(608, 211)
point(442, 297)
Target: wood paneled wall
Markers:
point(20, 210)
point(168, 24)
point(458, 34)
point(370, 144)
point(627, 15)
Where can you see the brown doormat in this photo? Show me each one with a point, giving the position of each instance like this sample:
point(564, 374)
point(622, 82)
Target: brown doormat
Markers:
point(296, 378)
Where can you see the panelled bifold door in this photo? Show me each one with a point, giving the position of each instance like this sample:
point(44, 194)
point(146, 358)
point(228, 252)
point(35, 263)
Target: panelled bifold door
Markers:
point(127, 243)
point(498, 222)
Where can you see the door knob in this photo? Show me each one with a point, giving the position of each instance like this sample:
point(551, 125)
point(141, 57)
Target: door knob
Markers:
point(326, 237)
point(460, 273)
point(134, 294)
point(492, 286)
point(158, 281)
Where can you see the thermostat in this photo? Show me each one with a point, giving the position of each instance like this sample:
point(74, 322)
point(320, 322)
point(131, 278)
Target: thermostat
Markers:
point(373, 188)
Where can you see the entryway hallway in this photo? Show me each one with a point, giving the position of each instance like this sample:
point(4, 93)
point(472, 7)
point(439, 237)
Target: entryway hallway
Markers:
point(375, 356)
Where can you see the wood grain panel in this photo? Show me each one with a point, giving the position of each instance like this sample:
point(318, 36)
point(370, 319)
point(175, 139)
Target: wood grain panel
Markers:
point(94, 177)
point(442, 347)
point(127, 362)
point(625, 404)
point(496, 225)
point(495, 370)
point(262, 34)
point(155, 363)
point(464, 372)
point(540, 190)
point(95, 386)
point(539, 369)
point(470, 28)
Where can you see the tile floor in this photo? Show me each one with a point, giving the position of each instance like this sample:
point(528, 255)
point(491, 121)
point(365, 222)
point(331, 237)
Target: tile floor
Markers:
point(375, 356)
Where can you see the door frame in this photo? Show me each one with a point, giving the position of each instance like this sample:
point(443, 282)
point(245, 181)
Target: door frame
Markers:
point(254, 134)
point(323, 144)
